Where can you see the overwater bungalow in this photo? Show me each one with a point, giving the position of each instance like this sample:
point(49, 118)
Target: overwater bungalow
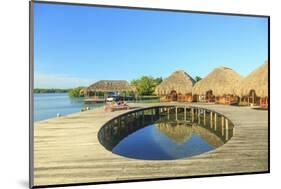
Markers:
point(219, 86)
point(107, 87)
point(176, 87)
point(254, 87)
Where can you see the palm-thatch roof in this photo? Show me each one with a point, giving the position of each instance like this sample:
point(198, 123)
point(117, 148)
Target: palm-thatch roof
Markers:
point(257, 80)
point(110, 86)
point(179, 81)
point(222, 81)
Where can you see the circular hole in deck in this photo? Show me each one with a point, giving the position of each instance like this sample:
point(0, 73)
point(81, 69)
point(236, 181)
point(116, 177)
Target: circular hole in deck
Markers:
point(165, 133)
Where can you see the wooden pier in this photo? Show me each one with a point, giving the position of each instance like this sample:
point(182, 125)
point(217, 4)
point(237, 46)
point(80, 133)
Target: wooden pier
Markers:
point(67, 150)
point(95, 100)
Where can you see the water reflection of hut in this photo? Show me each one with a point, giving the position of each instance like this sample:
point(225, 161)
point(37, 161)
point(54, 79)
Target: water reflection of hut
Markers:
point(211, 138)
point(218, 86)
point(176, 87)
point(254, 87)
point(108, 86)
point(178, 133)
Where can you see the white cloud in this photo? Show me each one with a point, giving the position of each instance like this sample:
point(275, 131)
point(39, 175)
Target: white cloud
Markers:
point(59, 81)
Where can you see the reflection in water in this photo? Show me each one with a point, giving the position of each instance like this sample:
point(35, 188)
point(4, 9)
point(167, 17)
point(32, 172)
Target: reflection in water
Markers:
point(164, 134)
point(177, 132)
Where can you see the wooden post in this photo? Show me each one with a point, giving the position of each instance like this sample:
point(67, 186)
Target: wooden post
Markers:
point(176, 113)
point(152, 114)
point(157, 113)
point(226, 129)
point(198, 111)
point(192, 115)
point(168, 109)
point(136, 121)
point(204, 117)
point(184, 113)
point(119, 122)
point(211, 119)
point(160, 112)
point(222, 125)
point(142, 117)
point(215, 121)
point(126, 123)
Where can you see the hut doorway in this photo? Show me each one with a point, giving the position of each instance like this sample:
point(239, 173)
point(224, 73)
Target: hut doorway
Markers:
point(174, 96)
point(252, 98)
point(209, 96)
point(195, 98)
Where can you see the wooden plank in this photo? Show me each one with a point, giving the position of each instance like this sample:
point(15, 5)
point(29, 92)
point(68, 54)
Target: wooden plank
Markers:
point(67, 150)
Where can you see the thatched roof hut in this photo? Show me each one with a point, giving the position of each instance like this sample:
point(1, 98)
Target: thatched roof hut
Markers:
point(221, 81)
point(110, 86)
point(257, 80)
point(179, 81)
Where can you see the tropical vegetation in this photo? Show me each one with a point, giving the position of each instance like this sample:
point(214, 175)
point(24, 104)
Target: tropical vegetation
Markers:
point(53, 90)
point(145, 85)
point(75, 92)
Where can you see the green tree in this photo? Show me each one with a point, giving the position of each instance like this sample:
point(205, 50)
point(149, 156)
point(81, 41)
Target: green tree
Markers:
point(146, 85)
point(75, 92)
point(197, 78)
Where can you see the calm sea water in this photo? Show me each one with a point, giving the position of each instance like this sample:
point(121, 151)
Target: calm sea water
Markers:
point(48, 105)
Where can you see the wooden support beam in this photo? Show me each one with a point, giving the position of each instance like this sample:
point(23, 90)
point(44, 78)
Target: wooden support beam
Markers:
point(204, 117)
point(168, 113)
point(192, 115)
point(176, 113)
point(152, 114)
point(211, 119)
point(142, 117)
point(198, 111)
point(222, 125)
point(184, 113)
point(215, 120)
point(226, 129)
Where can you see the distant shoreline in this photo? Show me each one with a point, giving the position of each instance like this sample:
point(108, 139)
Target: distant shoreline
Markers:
point(39, 90)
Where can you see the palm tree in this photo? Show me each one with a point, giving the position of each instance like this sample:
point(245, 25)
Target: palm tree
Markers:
point(197, 78)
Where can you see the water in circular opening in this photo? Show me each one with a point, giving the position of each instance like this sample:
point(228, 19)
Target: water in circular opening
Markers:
point(165, 133)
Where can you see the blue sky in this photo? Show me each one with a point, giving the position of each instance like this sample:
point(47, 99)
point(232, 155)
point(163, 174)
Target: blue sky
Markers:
point(78, 45)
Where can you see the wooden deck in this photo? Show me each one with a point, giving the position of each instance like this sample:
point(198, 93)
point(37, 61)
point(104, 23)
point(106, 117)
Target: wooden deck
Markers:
point(94, 100)
point(67, 150)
